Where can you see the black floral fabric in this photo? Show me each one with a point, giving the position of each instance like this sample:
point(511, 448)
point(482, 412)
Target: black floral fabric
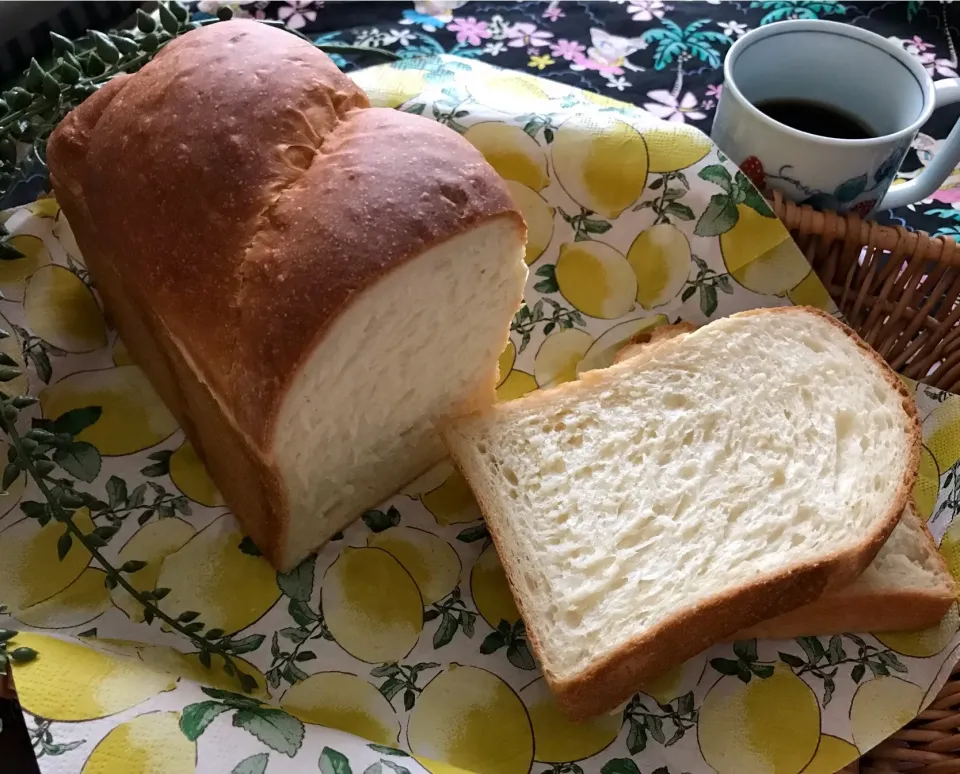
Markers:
point(663, 56)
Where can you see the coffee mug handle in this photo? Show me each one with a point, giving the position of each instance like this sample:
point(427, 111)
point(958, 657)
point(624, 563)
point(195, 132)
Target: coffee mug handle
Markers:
point(943, 163)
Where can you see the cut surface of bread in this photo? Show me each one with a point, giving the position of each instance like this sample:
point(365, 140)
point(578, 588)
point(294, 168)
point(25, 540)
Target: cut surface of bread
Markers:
point(389, 355)
point(308, 282)
point(907, 585)
point(653, 508)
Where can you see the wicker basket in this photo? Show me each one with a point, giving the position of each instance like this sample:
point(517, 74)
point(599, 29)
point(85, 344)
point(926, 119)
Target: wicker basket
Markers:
point(900, 291)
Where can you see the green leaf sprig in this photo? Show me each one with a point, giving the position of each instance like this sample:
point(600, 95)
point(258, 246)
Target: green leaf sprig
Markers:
point(31, 110)
point(526, 320)
point(722, 213)
point(10, 651)
point(40, 453)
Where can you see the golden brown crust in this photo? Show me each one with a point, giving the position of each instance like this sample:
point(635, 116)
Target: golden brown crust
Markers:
point(853, 609)
point(232, 198)
point(611, 680)
point(649, 340)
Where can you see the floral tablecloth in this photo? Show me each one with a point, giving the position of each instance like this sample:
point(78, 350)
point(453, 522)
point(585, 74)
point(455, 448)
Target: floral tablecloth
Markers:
point(665, 57)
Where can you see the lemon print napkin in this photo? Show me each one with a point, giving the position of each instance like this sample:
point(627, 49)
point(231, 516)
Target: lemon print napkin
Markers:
point(398, 649)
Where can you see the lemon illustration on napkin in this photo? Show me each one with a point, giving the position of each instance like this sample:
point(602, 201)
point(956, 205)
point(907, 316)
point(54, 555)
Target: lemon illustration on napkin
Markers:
point(133, 416)
point(62, 311)
point(451, 501)
point(600, 162)
point(556, 738)
point(70, 682)
point(660, 259)
point(672, 147)
point(832, 755)
point(188, 665)
point(923, 643)
point(30, 571)
point(12, 347)
point(596, 278)
point(79, 603)
point(880, 706)
point(927, 488)
point(539, 217)
point(214, 575)
point(430, 560)
point(460, 712)
point(152, 543)
point(760, 255)
point(811, 292)
point(389, 87)
point(149, 744)
point(14, 274)
point(606, 346)
point(190, 476)
point(517, 384)
point(372, 605)
point(941, 434)
point(508, 92)
point(513, 153)
point(559, 354)
point(770, 724)
point(490, 590)
point(345, 702)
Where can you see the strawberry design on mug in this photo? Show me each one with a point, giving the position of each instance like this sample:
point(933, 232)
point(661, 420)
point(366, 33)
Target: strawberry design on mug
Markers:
point(819, 140)
point(752, 167)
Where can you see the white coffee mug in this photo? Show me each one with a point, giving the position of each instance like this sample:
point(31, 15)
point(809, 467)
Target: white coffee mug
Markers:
point(851, 70)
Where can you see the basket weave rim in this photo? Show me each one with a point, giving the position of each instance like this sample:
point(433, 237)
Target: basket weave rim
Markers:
point(832, 226)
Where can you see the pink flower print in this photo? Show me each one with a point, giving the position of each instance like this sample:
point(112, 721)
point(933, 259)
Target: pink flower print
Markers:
point(469, 30)
point(945, 68)
point(523, 34)
point(646, 10)
point(567, 49)
point(581, 62)
point(553, 11)
point(949, 194)
point(296, 13)
point(714, 89)
point(669, 108)
point(919, 43)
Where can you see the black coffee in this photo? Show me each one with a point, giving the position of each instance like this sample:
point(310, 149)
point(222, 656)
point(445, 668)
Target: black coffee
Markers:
point(816, 118)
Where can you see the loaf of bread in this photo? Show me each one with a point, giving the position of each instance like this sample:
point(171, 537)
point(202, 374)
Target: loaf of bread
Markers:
point(907, 585)
point(308, 282)
point(653, 508)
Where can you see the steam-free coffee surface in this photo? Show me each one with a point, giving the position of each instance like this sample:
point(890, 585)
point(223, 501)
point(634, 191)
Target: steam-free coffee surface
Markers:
point(816, 118)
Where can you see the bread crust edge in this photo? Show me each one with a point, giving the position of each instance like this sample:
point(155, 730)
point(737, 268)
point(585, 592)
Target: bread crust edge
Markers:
point(614, 678)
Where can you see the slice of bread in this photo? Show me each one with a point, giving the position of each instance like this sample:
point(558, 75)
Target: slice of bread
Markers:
point(907, 586)
point(653, 508)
